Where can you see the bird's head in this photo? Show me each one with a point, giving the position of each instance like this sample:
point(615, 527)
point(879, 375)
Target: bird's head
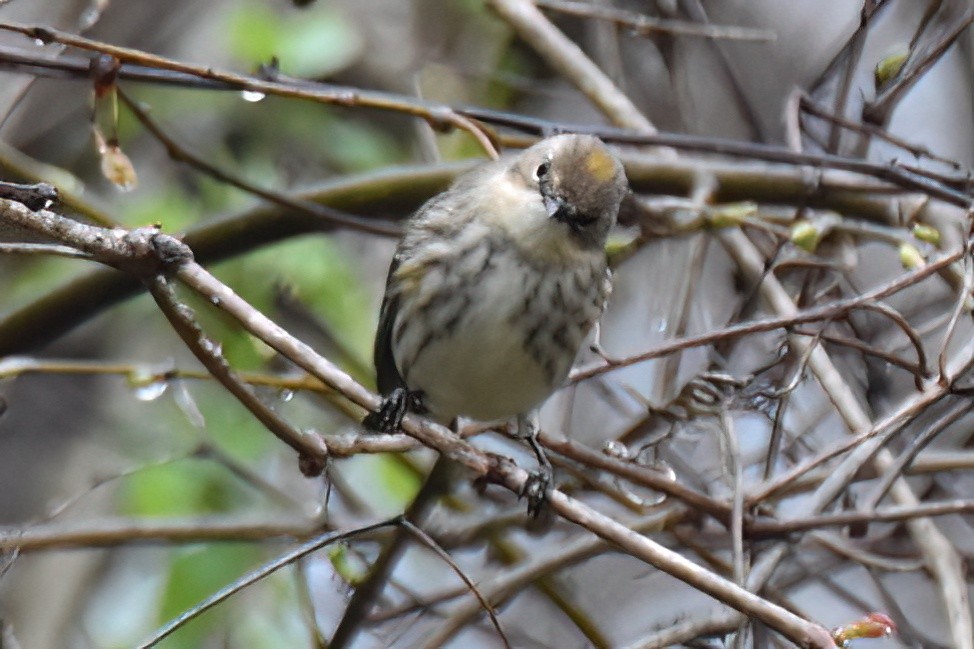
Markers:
point(579, 183)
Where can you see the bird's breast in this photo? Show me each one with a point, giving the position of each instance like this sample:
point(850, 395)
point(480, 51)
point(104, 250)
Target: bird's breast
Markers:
point(490, 335)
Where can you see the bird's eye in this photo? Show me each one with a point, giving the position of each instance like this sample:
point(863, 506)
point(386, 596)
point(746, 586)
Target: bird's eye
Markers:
point(542, 170)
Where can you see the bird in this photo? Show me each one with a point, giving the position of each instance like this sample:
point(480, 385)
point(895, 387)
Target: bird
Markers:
point(494, 286)
point(492, 289)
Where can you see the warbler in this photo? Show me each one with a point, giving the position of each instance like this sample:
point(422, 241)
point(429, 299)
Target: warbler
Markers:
point(496, 283)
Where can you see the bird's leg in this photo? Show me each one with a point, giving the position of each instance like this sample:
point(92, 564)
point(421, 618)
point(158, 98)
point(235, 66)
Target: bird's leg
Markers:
point(537, 489)
point(388, 418)
point(597, 348)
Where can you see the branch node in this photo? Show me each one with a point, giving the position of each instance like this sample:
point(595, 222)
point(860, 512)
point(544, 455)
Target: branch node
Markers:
point(42, 34)
point(171, 251)
point(35, 197)
point(441, 119)
point(152, 253)
point(311, 466)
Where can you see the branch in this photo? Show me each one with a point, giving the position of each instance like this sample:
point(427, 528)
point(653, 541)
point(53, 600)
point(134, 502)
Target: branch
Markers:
point(312, 449)
point(569, 60)
point(437, 114)
point(644, 25)
point(398, 192)
point(227, 591)
point(151, 68)
point(763, 529)
point(941, 556)
point(122, 533)
point(825, 312)
point(151, 254)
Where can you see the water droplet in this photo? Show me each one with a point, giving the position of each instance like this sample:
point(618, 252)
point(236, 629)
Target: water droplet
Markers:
point(252, 96)
point(287, 395)
point(40, 42)
point(215, 300)
point(187, 404)
point(88, 19)
point(152, 390)
point(661, 325)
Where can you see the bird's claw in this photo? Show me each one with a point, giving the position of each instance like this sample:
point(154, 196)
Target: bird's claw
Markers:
point(537, 490)
point(388, 418)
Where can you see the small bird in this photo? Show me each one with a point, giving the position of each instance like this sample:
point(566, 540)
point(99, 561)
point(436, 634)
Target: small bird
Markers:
point(493, 288)
point(495, 284)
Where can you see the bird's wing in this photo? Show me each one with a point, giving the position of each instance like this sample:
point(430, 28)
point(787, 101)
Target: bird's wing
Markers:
point(436, 220)
point(387, 374)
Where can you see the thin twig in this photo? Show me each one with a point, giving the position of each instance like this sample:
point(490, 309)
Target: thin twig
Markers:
point(644, 25)
point(500, 588)
point(119, 533)
point(436, 113)
point(147, 253)
point(868, 350)
point(428, 541)
point(734, 459)
point(645, 476)
point(252, 577)
point(180, 153)
point(961, 306)
point(912, 335)
point(829, 311)
point(879, 109)
point(916, 444)
point(312, 448)
point(467, 117)
point(809, 106)
point(568, 59)
point(758, 529)
point(842, 546)
point(41, 249)
point(941, 555)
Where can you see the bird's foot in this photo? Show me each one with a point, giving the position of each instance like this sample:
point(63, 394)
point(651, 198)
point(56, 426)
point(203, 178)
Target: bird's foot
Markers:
point(537, 488)
point(388, 418)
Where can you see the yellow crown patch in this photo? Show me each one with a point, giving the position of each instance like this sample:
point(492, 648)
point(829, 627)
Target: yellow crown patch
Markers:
point(601, 165)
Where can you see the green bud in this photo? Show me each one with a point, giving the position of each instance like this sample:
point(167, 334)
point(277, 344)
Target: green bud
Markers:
point(732, 214)
point(926, 233)
point(889, 67)
point(910, 257)
point(806, 235)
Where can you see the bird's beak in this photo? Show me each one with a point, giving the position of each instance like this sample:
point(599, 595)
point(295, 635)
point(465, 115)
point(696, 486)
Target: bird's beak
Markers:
point(557, 209)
